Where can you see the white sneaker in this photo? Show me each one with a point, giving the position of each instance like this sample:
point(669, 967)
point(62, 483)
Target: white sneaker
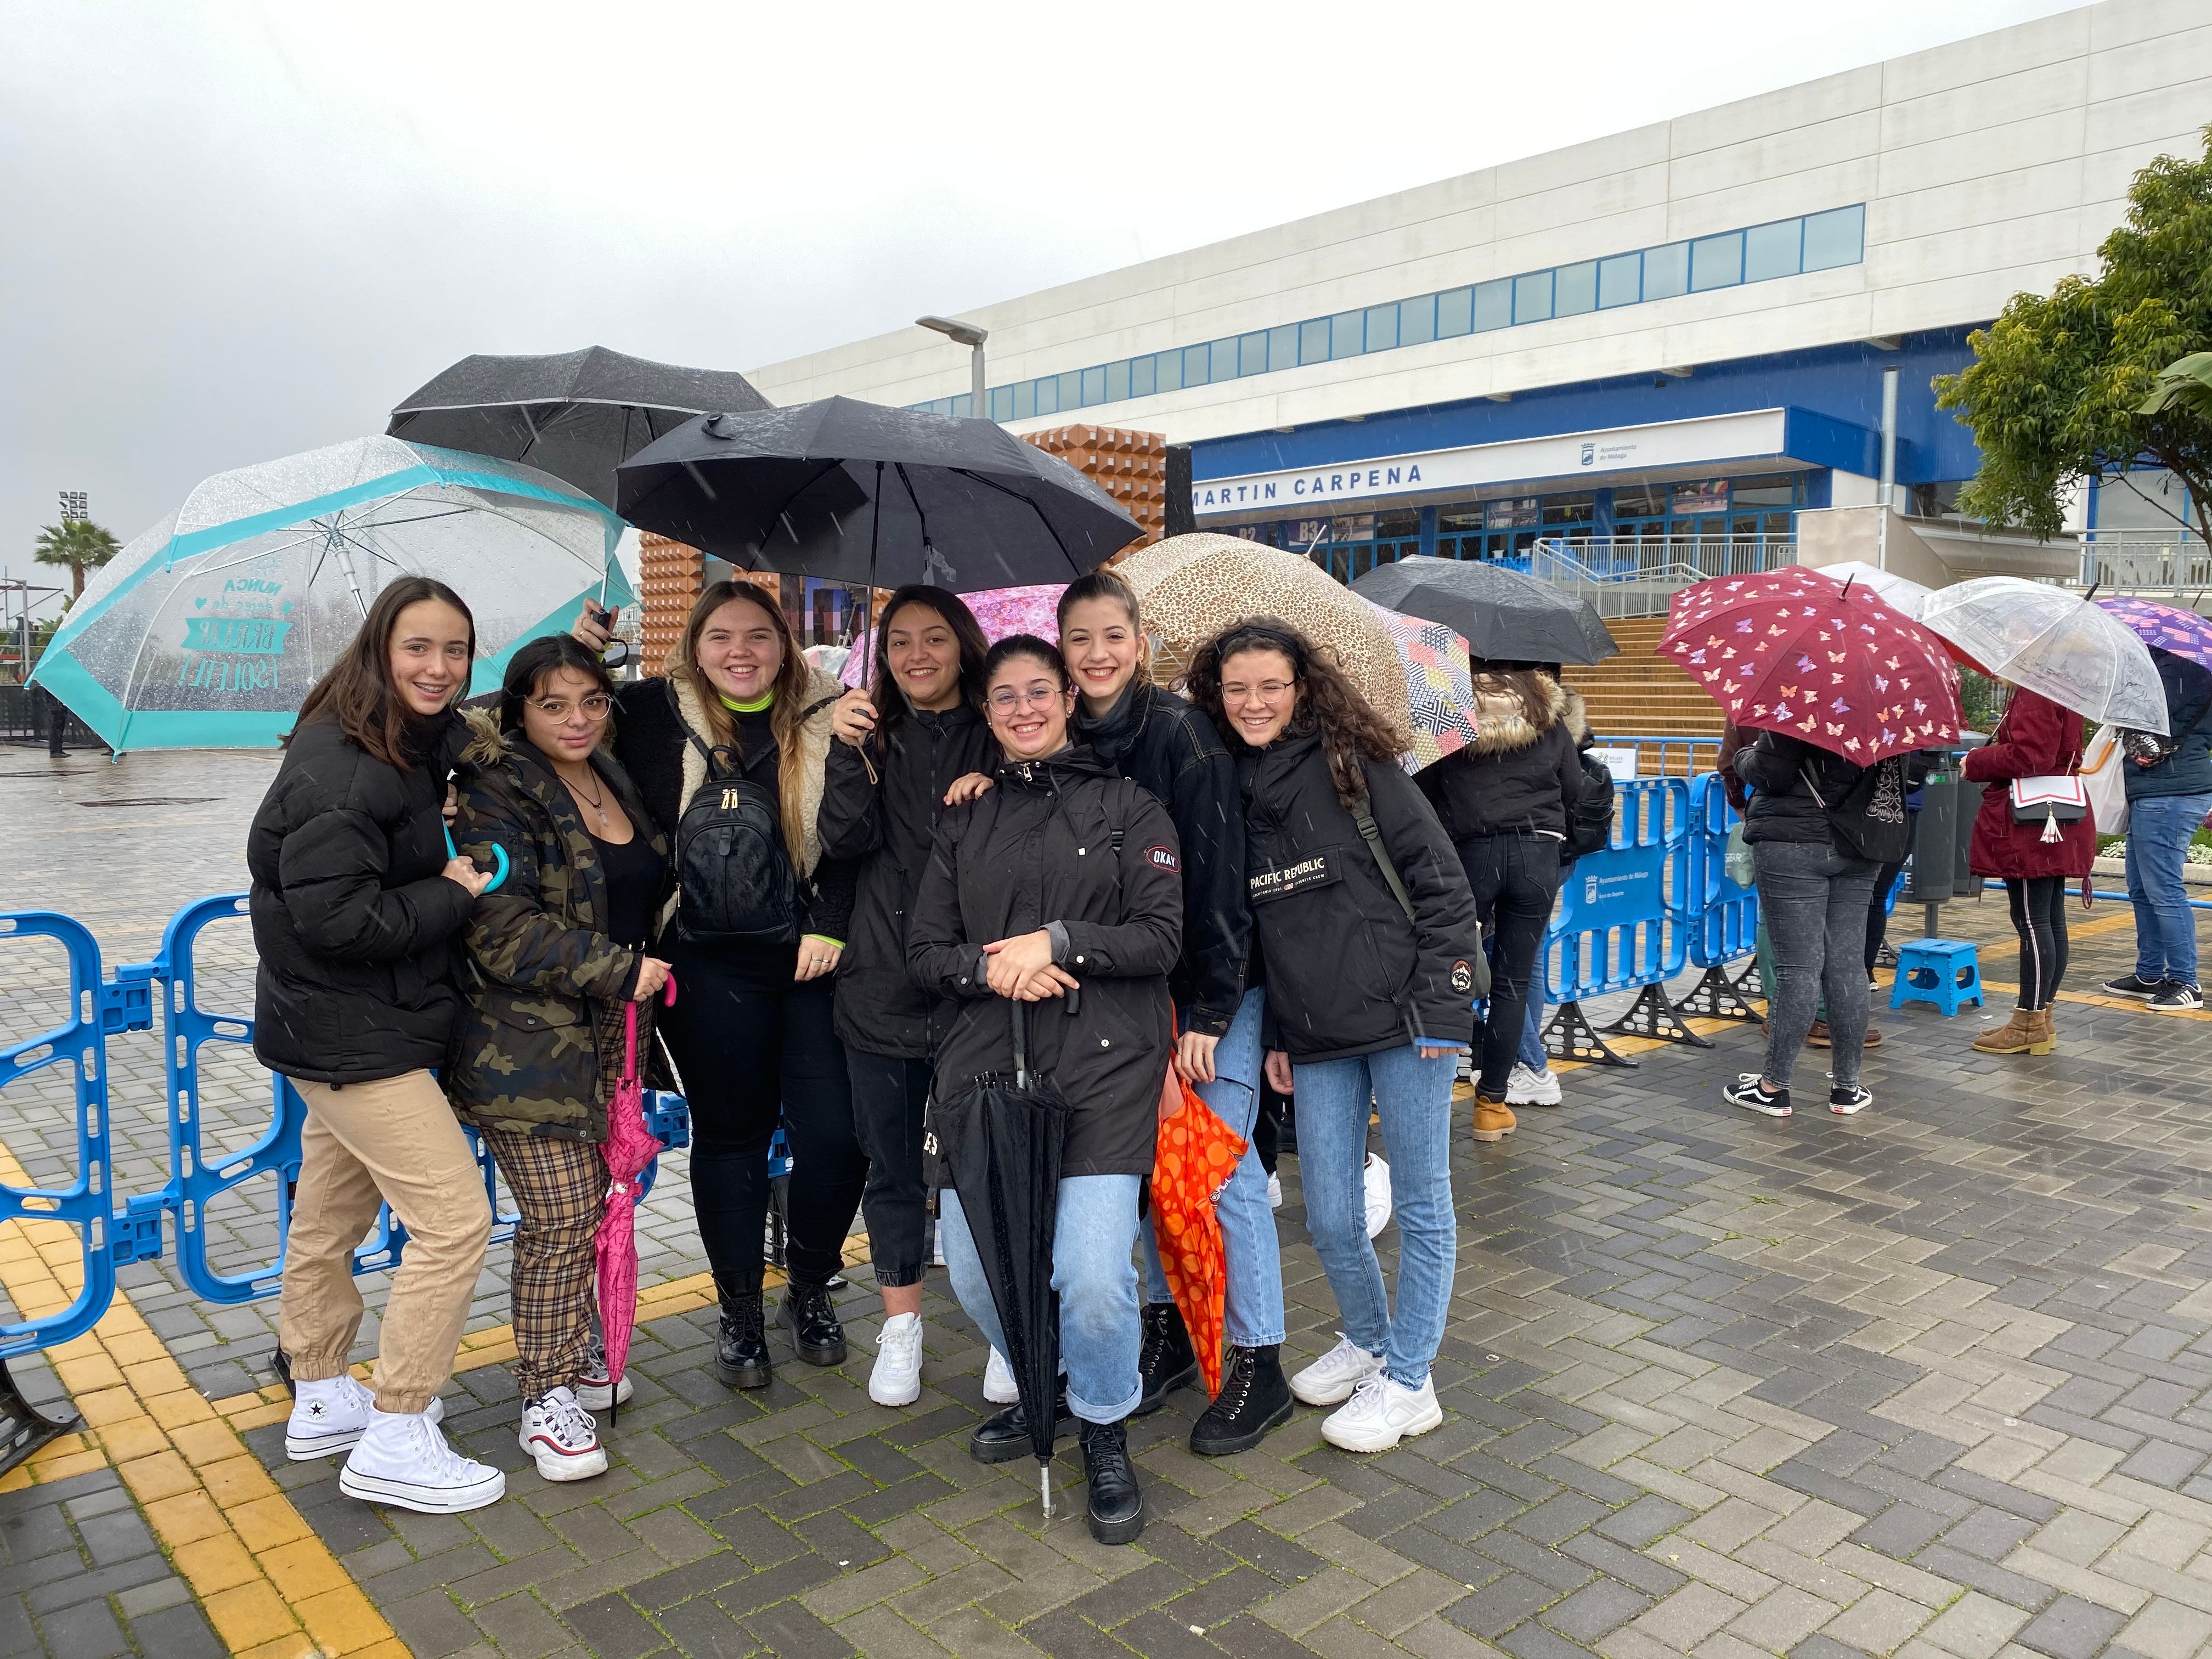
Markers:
point(1376, 1179)
point(896, 1378)
point(999, 1381)
point(591, 1391)
point(1381, 1414)
point(1528, 1088)
point(562, 1436)
point(328, 1415)
point(404, 1460)
point(1275, 1192)
point(1330, 1379)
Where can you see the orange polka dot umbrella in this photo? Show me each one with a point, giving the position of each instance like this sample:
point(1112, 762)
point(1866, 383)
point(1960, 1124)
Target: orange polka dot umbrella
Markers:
point(1196, 1154)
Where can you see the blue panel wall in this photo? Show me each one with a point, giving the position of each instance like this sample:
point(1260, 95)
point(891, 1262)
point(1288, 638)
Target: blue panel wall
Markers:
point(1841, 382)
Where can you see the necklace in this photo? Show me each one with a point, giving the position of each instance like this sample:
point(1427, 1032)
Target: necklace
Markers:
point(597, 803)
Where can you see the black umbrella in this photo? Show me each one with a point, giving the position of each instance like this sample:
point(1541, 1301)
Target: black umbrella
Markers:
point(1501, 613)
point(577, 414)
point(853, 492)
point(998, 1145)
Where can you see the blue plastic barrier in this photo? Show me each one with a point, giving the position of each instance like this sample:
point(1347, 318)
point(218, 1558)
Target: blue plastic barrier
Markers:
point(1667, 755)
point(1724, 914)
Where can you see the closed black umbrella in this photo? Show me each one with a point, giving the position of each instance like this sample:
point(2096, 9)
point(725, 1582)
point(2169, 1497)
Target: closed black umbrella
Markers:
point(577, 414)
point(1501, 613)
point(998, 1146)
point(854, 492)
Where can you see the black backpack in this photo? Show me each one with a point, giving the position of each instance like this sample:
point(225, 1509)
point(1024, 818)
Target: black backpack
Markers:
point(1869, 819)
point(733, 871)
point(1589, 821)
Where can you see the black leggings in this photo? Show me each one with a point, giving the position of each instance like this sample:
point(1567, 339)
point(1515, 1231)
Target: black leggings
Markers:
point(2038, 914)
point(753, 1045)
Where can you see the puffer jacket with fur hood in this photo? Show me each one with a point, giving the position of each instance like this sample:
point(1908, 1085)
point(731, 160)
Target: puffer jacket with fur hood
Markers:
point(1520, 774)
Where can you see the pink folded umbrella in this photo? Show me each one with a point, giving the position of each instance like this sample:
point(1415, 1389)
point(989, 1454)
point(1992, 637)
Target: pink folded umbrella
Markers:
point(1000, 610)
point(630, 1146)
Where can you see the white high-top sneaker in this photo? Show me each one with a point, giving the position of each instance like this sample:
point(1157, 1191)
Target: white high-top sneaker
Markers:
point(1330, 1379)
point(896, 1378)
point(402, 1459)
point(999, 1381)
point(591, 1391)
point(560, 1435)
point(1374, 1182)
point(328, 1416)
point(1381, 1413)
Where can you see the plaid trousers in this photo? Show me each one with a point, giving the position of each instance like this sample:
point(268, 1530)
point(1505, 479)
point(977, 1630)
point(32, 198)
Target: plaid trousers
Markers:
point(560, 1189)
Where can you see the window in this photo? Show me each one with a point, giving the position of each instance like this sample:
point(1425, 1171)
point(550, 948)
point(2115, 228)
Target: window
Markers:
point(1493, 304)
point(1382, 328)
point(1620, 281)
point(1169, 367)
point(1002, 402)
point(1518, 513)
point(1416, 320)
point(1709, 495)
point(1197, 365)
point(1025, 400)
point(1771, 490)
point(1665, 271)
point(1716, 262)
point(1773, 250)
point(1396, 526)
point(1452, 522)
point(1252, 353)
point(1283, 347)
point(1571, 509)
point(1531, 297)
point(1094, 386)
point(1071, 389)
point(1455, 311)
point(1835, 238)
point(1576, 291)
point(1644, 502)
point(963, 405)
point(1117, 379)
point(1224, 359)
point(1313, 341)
point(1347, 336)
point(1359, 527)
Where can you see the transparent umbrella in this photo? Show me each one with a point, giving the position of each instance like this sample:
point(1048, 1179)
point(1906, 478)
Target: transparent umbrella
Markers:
point(1900, 594)
point(207, 630)
point(2055, 642)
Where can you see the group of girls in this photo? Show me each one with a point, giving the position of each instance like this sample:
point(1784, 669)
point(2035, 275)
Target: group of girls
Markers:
point(1241, 885)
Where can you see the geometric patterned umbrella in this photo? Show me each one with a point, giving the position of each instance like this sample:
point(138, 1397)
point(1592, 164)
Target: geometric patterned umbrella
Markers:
point(1439, 685)
point(2164, 627)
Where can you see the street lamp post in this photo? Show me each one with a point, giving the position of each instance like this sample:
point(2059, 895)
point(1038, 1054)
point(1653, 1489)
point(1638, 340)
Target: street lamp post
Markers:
point(969, 335)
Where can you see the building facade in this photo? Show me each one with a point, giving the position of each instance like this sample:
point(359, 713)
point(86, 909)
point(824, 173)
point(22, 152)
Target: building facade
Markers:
point(1672, 338)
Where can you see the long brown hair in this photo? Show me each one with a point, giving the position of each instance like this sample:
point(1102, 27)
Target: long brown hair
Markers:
point(357, 691)
point(883, 687)
point(1351, 733)
point(785, 717)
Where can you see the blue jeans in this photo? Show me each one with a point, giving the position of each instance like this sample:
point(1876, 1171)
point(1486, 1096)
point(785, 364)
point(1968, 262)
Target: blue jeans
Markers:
point(1252, 1307)
point(1532, 1053)
point(1414, 1099)
point(2159, 831)
point(1096, 1277)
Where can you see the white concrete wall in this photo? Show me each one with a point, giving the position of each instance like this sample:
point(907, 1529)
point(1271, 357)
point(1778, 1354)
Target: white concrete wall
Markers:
point(1989, 166)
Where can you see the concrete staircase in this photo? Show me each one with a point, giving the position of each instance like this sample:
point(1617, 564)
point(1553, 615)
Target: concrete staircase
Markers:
point(1640, 693)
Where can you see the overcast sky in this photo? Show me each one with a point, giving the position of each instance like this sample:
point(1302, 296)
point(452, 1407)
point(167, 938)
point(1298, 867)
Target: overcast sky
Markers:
point(231, 231)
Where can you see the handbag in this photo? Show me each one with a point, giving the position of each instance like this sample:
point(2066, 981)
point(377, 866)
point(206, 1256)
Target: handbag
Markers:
point(1740, 865)
point(2055, 798)
point(2104, 775)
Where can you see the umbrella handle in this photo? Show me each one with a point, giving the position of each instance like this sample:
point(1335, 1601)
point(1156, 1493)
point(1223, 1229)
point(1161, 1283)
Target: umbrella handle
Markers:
point(498, 860)
point(1021, 1043)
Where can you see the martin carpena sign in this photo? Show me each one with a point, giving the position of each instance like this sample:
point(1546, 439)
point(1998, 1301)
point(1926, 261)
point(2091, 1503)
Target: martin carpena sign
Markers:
point(1757, 433)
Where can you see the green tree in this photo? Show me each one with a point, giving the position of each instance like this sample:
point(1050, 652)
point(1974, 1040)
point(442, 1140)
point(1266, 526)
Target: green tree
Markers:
point(79, 544)
point(2061, 388)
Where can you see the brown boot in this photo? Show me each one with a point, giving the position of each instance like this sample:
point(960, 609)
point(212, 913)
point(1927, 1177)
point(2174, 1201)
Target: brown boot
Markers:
point(2017, 1036)
point(2044, 1040)
point(1493, 1118)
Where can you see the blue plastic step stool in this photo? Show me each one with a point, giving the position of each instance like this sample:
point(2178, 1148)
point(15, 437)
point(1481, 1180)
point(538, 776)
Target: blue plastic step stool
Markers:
point(1943, 971)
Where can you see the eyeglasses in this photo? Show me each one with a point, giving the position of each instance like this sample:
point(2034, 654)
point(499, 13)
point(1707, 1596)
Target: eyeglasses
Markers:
point(1006, 699)
point(596, 706)
point(1269, 689)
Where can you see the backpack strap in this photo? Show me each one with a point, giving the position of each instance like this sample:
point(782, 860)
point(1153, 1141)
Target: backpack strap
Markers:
point(1363, 814)
point(717, 770)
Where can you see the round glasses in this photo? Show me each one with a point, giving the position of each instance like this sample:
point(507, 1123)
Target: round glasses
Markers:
point(597, 707)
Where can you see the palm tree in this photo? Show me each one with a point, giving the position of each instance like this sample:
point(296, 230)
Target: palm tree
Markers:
point(79, 544)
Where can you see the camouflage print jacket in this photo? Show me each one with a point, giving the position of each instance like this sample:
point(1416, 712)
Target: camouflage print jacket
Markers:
point(540, 1048)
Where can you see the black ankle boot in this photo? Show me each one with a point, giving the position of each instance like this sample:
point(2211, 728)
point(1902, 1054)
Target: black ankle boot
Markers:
point(811, 1318)
point(1254, 1400)
point(1005, 1436)
point(741, 1358)
point(1117, 1507)
point(1165, 1361)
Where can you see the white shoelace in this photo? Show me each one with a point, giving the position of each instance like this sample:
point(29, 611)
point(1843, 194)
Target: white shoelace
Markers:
point(572, 1426)
point(445, 1466)
point(1368, 1398)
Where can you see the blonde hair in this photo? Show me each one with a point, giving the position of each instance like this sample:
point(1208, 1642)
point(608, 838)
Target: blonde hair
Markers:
point(786, 715)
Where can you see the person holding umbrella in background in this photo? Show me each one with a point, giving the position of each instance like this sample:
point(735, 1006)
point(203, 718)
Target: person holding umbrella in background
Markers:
point(557, 951)
point(1156, 738)
point(755, 930)
point(1369, 944)
point(1062, 887)
point(901, 744)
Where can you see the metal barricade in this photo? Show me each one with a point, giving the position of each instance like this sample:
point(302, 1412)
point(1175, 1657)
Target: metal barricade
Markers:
point(1723, 913)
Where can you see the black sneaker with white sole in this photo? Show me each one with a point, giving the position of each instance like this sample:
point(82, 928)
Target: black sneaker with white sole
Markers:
point(1845, 1099)
point(2133, 985)
point(2175, 997)
point(1746, 1093)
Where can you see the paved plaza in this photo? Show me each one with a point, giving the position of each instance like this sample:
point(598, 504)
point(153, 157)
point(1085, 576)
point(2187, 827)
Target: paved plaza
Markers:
point(1932, 1380)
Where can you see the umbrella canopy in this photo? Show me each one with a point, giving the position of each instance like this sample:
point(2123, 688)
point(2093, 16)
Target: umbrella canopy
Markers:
point(1190, 587)
point(2164, 627)
point(1900, 594)
point(998, 1145)
point(1195, 1156)
point(207, 630)
point(1001, 611)
point(1439, 686)
point(2055, 643)
point(630, 1147)
point(577, 414)
point(1500, 613)
point(854, 492)
point(1789, 651)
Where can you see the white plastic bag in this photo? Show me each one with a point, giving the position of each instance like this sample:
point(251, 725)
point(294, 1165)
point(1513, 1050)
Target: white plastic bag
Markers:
point(2104, 775)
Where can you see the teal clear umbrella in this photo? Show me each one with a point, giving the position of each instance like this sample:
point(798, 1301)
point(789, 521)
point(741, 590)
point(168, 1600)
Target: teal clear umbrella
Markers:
point(206, 631)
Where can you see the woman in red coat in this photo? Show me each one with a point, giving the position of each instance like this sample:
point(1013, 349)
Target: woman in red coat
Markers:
point(2035, 738)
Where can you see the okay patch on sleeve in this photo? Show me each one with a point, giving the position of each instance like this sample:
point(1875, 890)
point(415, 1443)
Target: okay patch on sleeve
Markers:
point(1163, 858)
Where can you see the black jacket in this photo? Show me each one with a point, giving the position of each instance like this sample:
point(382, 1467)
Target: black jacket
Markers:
point(1347, 974)
point(1154, 737)
point(356, 924)
point(1782, 808)
point(1038, 850)
point(1520, 776)
point(887, 827)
